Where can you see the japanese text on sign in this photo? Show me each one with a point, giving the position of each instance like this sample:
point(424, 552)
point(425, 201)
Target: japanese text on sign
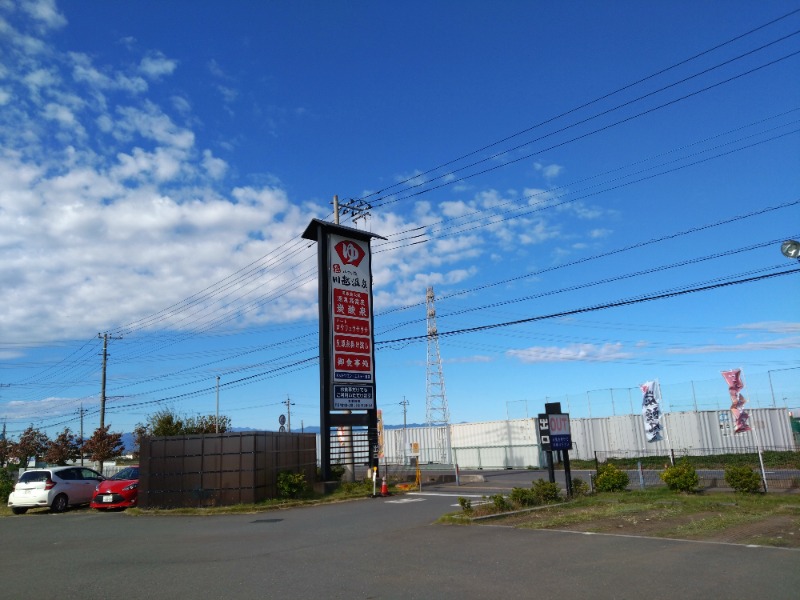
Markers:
point(560, 436)
point(348, 397)
point(351, 315)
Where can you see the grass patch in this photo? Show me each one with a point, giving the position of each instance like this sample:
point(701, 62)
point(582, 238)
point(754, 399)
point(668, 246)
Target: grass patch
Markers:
point(770, 520)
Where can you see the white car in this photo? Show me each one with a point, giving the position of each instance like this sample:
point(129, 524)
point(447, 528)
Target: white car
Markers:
point(56, 487)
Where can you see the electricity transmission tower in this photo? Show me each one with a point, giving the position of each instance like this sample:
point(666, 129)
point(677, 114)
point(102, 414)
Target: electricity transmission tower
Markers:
point(436, 412)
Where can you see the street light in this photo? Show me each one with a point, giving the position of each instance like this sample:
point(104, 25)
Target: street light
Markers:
point(791, 249)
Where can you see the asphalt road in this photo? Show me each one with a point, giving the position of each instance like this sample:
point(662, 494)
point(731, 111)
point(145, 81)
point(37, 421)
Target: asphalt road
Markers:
point(375, 548)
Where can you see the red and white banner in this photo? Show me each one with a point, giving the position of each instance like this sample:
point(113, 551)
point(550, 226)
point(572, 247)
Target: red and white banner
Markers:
point(651, 410)
point(735, 382)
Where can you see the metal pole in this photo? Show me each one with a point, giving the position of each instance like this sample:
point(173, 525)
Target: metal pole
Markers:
point(404, 404)
point(216, 419)
point(772, 391)
point(349, 467)
point(81, 433)
point(103, 382)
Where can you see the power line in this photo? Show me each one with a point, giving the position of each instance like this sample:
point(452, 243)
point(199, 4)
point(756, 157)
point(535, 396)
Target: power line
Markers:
point(587, 104)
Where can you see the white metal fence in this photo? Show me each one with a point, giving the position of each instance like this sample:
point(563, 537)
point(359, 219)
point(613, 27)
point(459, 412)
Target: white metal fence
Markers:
point(514, 443)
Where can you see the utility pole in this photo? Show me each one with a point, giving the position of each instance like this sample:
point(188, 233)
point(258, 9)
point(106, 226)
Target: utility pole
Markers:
point(81, 433)
point(105, 338)
point(216, 419)
point(289, 405)
point(404, 404)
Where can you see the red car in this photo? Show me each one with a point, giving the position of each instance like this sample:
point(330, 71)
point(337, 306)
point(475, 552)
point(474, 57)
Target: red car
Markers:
point(119, 491)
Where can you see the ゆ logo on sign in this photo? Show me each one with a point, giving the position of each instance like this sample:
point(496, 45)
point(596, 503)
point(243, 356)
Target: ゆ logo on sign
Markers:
point(350, 253)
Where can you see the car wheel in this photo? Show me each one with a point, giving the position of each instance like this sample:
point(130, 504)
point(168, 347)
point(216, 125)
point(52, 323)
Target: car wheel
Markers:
point(18, 510)
point(59, 504)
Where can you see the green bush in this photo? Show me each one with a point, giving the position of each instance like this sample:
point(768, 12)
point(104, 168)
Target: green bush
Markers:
point(337, 472)
point(681, 478)
point(500, 503)
point(523, 497)
point(466, 505)
point(546, 492)
point(611, 479)
point(580, 487)
point(291, 485)
point(743, 479)
point(6, 485)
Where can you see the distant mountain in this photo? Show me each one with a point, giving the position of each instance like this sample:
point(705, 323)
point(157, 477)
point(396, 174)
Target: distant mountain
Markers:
point(128, 442)
point(128, 438)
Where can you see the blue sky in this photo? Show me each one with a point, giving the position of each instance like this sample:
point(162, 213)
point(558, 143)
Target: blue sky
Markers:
point(159, 162)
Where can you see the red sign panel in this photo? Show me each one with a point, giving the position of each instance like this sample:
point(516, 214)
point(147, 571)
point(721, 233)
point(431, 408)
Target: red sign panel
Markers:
point(352, 362)
point(350, 303)
point(349, 343)
point(352, 326)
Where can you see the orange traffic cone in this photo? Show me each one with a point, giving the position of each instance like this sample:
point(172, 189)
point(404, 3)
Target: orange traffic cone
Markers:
point(384, 488)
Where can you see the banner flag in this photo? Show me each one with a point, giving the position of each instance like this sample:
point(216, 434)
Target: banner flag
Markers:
point(735, 383)
point(651, 410)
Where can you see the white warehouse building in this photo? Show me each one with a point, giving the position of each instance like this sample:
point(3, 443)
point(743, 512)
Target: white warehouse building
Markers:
point(515, 444)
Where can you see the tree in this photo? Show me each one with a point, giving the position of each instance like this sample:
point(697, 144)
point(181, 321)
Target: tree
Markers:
point(63, 449)
point(167, 422)
point(163, 422)
point(103, 445)
point(206, 424)
point(31, 444)
point(6, 451)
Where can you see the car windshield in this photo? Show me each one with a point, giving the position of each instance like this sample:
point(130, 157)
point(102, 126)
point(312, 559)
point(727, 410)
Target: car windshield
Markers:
point(127, 473)
point(34, 476)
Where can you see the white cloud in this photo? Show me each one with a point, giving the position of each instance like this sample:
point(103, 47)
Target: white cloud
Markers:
point(229, 94)
point(152, 124)
point(155, 65)
point(549, 171)
point(40, 78)
point(771, 327)
point(181, 104)
point(778, 344)
point(455, 209)
point(45, 13)
point(572, 353)
point(83, 71)
point(216, 167)
point(599, 233)
point(413, 179)
point(536, 232)
point(63, 115)
point(477, 358)
point(215, 69)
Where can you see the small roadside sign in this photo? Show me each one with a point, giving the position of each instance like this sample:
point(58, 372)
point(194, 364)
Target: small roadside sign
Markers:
point(544, 431)
point(560, 435)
